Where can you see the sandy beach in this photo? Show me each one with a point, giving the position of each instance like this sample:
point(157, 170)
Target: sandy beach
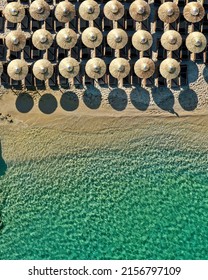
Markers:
point(130, 183)
point(80, 119)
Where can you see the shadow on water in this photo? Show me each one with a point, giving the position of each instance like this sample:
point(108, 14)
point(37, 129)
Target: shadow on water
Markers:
point(69, 101)
point(118, 99)
point(188, 100)
point(47, 103)
point(3, 165)
point(164, 99)
point(140, 98)
point(24, 103)
point(92, 97)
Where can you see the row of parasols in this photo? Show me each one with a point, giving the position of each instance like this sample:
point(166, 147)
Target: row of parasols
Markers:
point(89, 10)
point(117, 38)
point(95, 68)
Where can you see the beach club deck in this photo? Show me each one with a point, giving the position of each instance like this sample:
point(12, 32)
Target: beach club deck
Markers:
point(107, 43)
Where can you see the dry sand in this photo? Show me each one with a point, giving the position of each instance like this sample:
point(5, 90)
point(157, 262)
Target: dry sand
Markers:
point(45, 123)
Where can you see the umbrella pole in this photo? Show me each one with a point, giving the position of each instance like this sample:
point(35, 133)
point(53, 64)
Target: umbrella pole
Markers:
point(45, 56)
point(70, 80)
point(143, 81)
point(117, 55)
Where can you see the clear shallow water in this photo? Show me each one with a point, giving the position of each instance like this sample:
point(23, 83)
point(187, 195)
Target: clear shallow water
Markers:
point(145, 203)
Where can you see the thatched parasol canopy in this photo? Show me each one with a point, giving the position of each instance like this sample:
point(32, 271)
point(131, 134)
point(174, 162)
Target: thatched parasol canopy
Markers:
point(89, 10)
point(42, 39)
point(65, 11)
point(142, 40)
point(92, 37)
point(139, 10)
point(171, 40)
point(113, 10)
point(168, 12)
point(17, 69)
point(14, 12)
point(42, 69)
point(193, 12)
point(117, 38)
point(170, 68)
point(95, 68)
point(39, 10)
point(1, 68)
point(119, 68)
point(196, 42)
point(15, 40)
point(144, 68)
point(66, 38)
point(69, 67)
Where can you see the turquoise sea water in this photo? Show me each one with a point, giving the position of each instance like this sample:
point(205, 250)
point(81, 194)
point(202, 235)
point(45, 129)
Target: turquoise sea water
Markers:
point(143, 203)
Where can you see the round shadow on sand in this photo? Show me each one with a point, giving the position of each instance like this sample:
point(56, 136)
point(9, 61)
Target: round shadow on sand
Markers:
point(69, 101)
point(205, 74)
point(193, 71)
point(164, 99)
point(140, 98)
point(118, 99)
point(24, 103)
point(92, 98)
point(47, 103)
point(188, 100)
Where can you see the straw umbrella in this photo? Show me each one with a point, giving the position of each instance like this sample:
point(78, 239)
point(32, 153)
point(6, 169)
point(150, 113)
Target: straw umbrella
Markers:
point(14, 12)
point(65, 11)
point(39, 10)
point(95, 68)
point(194, 12)
point(92, 37)
point(17, 69)
point(196, 42)
point(144, 68)
point(66, 38)
point(142, 40)
point(117, 38)
point(168, 12)
point(69, 67)
point(171, 40)
point(89, 10)
point(119, 68)
point(139, 10)
point(170, 68)
point(42, 69)
point(42, 39)
point(113, 10)
point(1, 68)
point(15, 40)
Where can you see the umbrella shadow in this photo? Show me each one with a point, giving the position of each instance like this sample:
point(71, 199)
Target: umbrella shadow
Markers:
point(92, 97)
point(188, 100)
point(164, 99)
point(140, 98)
point(24, 102)
point(69, 101)
point(205, 74)
point(193, 71)
point(118, 99)
point(47, 103)
point(3, 165)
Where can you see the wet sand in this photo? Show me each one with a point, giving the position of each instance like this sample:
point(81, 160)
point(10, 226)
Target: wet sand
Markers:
point(29, 129)
point(97, 172)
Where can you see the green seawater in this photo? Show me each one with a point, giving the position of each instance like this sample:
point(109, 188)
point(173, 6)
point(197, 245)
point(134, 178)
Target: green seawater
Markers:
point(142, 203)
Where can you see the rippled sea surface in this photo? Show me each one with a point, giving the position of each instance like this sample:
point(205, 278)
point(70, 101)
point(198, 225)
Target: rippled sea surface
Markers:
point(148, 202)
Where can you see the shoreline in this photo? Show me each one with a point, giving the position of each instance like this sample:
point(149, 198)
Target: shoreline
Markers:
point(47, 107)
point(38, 135)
